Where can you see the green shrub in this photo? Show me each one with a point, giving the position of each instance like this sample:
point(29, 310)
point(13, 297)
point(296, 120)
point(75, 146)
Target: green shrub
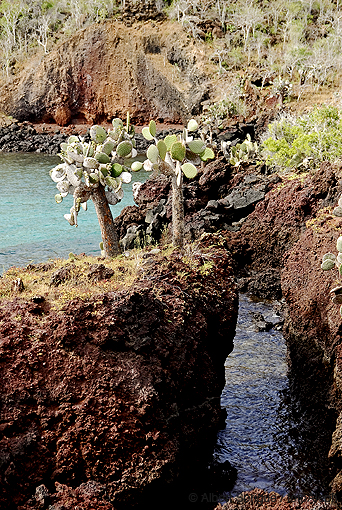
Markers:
point(308, 139)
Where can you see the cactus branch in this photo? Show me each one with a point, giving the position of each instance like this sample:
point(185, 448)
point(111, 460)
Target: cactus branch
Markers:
point(109, 234)
point(177, 208)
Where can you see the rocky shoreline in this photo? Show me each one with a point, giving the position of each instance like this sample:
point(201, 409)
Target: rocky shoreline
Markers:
point(275, 231)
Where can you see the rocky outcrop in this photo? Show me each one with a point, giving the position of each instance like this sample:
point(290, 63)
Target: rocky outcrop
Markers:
point(117, 396)
point(262, 215)
point(313, 332)
point(17, 137)
point(277, 250)
point(107, 69)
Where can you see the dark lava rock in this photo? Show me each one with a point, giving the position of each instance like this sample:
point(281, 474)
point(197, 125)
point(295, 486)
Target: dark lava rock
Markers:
point(260, 323)
point(24, 138)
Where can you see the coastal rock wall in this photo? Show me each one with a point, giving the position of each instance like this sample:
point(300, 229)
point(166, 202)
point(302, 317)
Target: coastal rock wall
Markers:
point(313, 331)
point(119, 394)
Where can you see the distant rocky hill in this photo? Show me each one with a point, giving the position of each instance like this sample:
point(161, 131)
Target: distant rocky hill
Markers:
point(152, 69)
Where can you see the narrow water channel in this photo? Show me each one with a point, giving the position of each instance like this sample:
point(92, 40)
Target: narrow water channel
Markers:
point(268, 445)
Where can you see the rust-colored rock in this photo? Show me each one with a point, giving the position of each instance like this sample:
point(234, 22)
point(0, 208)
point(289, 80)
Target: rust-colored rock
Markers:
point(121, 390)
point(313, 331)
point(107, 69)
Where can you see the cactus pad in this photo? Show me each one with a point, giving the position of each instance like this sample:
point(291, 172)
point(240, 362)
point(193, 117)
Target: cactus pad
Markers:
point(124, 149)
point(136, 166)
point(327, 264)
point(126, 177)
point(207, 154)
point(146, 134)
point(152, 128)
point(58, 172)
point(339, 244)
point(169, 140)
point(117, 123)
point(108, 146)
point(90, 163)
point(102, 157)
point(189, 170)
point(162, 149)
point(152, 153)
point(192, 125)
point(98, 134)
point(178, 151)
point(197, 146)
point(116, 170)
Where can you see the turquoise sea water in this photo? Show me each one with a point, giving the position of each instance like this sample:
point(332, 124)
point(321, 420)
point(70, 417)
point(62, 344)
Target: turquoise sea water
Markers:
point(32, 227)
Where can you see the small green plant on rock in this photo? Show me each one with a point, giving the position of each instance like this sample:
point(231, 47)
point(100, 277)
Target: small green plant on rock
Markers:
point(174, 157)
point(243, 152)
point(306, 140)
point(95, 170)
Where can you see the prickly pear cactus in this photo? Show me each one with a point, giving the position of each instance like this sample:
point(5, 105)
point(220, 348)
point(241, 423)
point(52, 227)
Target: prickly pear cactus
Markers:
point(100, 162)
point(176, 156)
point(330, 261)
point(242, 152)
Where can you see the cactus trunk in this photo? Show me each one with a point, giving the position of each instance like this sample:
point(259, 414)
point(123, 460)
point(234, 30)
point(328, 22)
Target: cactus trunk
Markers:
point(104, 215)
point(177, 211)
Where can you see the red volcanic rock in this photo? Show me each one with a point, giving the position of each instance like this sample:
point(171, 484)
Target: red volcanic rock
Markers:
point(62, 115)
point(313, 331)
point(276, 224)
point(278, 220)
point(121, 390)
point(105, 70)
point(88, 496)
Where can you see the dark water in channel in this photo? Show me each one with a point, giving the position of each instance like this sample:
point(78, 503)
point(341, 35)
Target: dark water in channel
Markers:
point(272, 446)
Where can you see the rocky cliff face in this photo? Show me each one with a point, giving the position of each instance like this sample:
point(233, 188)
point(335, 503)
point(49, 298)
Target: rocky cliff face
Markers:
point(107, 69)
point(313, 330)
point(115, 397)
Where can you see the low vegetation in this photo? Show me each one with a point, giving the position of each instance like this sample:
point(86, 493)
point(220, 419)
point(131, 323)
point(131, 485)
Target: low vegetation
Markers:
point(82, 277)
point(304, 141)
point(290, 40)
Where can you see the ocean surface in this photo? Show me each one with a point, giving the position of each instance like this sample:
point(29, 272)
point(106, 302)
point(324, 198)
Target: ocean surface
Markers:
point(32, 226)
